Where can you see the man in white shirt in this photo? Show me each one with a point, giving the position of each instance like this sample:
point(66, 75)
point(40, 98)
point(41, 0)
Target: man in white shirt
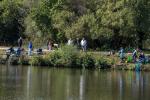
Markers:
point(70, 42)
point(84, 44)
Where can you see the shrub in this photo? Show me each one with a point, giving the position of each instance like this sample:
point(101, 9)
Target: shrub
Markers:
point(69, 55)
point(13, 60)
point(64, 57)
point(85, 61)
point(54, 58)
point(102, 63)
point(38, 61)
point(23, 60)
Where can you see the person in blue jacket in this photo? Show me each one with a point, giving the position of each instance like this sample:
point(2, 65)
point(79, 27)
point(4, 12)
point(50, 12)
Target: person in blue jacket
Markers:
point(121, 54)
point(30, 47)
point(142, 58)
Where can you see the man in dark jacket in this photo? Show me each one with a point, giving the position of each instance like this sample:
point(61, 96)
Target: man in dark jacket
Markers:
point(20, 41)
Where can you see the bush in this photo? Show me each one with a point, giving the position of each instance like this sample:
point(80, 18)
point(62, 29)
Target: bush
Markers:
point(54, 58)
point(23, 60)
point(69, 55)
point(85, 61)
point(13, 60)
point(102, 63)
point(64, 57)
point(38, 61)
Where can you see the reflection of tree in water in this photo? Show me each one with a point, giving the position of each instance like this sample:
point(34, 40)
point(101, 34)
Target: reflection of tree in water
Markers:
point(82, 88)
point(74, 84)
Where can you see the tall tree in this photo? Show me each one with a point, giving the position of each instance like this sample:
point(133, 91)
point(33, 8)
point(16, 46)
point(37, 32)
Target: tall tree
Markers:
point(12, 14)
point(142, 20)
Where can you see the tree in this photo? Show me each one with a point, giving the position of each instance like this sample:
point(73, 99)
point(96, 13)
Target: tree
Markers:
point(142, 20)
point(117, 21)
point(12, 15)
point(42, 16)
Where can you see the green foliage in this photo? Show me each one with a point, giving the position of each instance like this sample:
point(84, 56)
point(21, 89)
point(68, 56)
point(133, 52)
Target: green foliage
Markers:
point(38, 61)
point(23, 60)
point(102, 63)
point(12, 14)
point(65, 56)
point(42, 17)
point(86, 61)
point(142, 21)
point(117, 22)
point(69, 54)
point(54, 58)
point(97, 18)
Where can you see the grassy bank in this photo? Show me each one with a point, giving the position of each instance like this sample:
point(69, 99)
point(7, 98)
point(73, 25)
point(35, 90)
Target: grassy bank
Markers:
point(70, 56)
point(67, 56)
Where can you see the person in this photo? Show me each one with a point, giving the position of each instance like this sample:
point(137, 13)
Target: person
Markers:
point(121, 54)
point(142, 57)
point(20, 42)
point(70, 42)
point(30, 48)
point(84, 44)
point(77, 43)
point(134, 55)
point(10, 51)
point(49, 45)
point(111, 52)
point(18, 51)
point(129, 57)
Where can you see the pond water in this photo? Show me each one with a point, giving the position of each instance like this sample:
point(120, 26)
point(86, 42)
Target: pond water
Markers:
point(36, 83)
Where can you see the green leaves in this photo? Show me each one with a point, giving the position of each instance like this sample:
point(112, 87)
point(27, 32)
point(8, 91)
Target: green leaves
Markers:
point(117, 20)
point(12, 14)
point(93, 19)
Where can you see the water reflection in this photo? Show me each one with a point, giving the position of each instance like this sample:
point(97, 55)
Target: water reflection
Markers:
point(35, 83)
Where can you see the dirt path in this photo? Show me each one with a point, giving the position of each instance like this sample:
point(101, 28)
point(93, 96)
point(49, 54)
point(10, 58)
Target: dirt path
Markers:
point(3, 48)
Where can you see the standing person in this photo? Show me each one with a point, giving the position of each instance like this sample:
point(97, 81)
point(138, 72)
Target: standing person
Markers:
point(77, 43)
point(121, 54)
point(20, 41)
point(84, 44)
point(70, 42)
point(30, 47)
point(49, 45)
point(134, 55)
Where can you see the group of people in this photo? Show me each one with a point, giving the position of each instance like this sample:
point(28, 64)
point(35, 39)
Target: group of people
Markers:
point(136, 56)
point(78, 43)
point(139, 56)
point(20, 43)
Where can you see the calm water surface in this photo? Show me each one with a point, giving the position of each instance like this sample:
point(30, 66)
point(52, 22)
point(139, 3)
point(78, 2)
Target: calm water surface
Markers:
point(35, 83)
